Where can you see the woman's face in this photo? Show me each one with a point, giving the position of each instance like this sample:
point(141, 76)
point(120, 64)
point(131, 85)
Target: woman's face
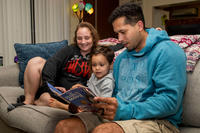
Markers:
point(84, 40)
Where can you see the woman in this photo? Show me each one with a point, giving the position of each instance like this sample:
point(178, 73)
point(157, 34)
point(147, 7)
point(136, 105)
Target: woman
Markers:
point(67, 67)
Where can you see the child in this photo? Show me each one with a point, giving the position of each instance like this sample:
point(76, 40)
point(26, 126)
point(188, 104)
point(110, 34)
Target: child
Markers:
point(101, 82)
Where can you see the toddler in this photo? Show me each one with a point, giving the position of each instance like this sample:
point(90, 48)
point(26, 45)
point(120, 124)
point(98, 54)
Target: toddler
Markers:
point(101, 82)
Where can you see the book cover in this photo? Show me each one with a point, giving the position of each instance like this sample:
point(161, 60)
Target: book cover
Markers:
point(80, 97)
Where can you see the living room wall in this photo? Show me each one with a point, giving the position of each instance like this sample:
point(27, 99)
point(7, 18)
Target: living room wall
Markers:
point(152, 15)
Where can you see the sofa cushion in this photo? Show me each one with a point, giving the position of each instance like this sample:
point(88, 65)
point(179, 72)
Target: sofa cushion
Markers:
point(191, 107)
point(9, 75)
point(29, 118)
point(190, 130)
point(28, 51)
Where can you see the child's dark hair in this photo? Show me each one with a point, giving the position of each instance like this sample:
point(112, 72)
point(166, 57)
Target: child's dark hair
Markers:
point(104, 50)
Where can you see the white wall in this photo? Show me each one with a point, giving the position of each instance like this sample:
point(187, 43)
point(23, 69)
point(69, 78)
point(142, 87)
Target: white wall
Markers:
point(153, 16)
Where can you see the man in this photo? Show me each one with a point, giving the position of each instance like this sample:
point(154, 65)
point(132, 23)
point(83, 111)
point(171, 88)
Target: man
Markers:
point(150, 80)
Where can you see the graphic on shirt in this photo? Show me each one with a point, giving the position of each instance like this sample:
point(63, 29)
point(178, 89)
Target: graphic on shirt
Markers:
point(132, 78)
point(78, 67)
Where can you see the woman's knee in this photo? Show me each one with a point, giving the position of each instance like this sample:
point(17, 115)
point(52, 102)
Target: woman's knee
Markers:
point(43, 100)
point(37, 61)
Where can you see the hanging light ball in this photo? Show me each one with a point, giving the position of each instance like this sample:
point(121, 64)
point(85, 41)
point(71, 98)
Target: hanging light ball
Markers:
point(88, 6)
point(91, 11)
point(81, 5)
point(75, 7)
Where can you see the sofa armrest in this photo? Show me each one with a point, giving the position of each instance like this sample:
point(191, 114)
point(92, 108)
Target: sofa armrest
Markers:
point(9, 75)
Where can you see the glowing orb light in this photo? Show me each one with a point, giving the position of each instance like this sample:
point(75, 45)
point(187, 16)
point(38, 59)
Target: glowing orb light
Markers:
point(81, 5)
point(91, 11)
point(88, 6)
point(75, 7)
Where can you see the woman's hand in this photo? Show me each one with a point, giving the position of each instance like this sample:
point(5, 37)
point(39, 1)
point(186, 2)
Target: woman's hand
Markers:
point(109, 104)
point(62, 89)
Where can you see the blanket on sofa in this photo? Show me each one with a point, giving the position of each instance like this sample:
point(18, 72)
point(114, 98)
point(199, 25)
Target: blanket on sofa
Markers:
point(191, 45)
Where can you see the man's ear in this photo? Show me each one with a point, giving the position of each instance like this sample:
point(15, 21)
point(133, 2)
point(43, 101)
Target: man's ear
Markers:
point(140, 25)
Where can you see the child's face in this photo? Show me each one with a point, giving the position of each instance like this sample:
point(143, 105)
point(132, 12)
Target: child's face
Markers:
point(100, 65)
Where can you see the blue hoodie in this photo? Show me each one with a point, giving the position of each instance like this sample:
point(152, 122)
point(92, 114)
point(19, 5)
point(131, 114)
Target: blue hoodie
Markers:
point(150, 83)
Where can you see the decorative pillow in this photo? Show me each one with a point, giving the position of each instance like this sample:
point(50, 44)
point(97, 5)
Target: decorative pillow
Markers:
point(193, 55)
point(27, 51)
point(108, 41)
point(190, 44)
point(185, 41)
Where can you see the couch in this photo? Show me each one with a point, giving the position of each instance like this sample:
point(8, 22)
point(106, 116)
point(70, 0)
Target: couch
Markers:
point(41, 119)
point(28, 118)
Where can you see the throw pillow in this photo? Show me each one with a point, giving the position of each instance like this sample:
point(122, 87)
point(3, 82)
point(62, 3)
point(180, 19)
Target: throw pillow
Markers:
point(27, 51)
point(185, 41)
point(108, 41)
point(190, 44)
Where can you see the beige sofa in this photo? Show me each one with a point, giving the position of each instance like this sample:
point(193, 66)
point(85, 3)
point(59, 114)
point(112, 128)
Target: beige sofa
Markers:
point(38, 119)
point(29, 118)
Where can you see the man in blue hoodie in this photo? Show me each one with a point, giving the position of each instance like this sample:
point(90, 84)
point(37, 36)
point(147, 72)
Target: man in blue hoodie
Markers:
point(150, 80)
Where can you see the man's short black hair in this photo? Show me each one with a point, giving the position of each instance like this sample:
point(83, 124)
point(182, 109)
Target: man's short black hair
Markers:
point(132, 13)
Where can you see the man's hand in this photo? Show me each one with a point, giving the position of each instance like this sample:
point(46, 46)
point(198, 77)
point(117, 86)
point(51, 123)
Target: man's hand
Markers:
point(109, 104)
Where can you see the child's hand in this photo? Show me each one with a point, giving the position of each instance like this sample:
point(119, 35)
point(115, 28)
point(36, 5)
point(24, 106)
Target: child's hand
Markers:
point(62, 89)
point(77, 85)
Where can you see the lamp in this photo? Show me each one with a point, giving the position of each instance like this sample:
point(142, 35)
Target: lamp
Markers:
point(78, 9)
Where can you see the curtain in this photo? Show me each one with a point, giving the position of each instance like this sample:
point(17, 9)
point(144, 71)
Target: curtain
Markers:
point(14, 27)
point(51, 24)
point(52, 20)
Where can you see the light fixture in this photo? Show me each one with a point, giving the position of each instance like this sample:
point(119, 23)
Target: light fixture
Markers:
point(78, 9)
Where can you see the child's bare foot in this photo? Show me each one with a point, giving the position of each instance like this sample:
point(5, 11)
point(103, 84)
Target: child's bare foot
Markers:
point(43, 100)
point(56, 104)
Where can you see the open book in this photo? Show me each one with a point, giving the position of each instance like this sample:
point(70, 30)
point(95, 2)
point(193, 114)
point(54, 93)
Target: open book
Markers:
point(80, 97)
